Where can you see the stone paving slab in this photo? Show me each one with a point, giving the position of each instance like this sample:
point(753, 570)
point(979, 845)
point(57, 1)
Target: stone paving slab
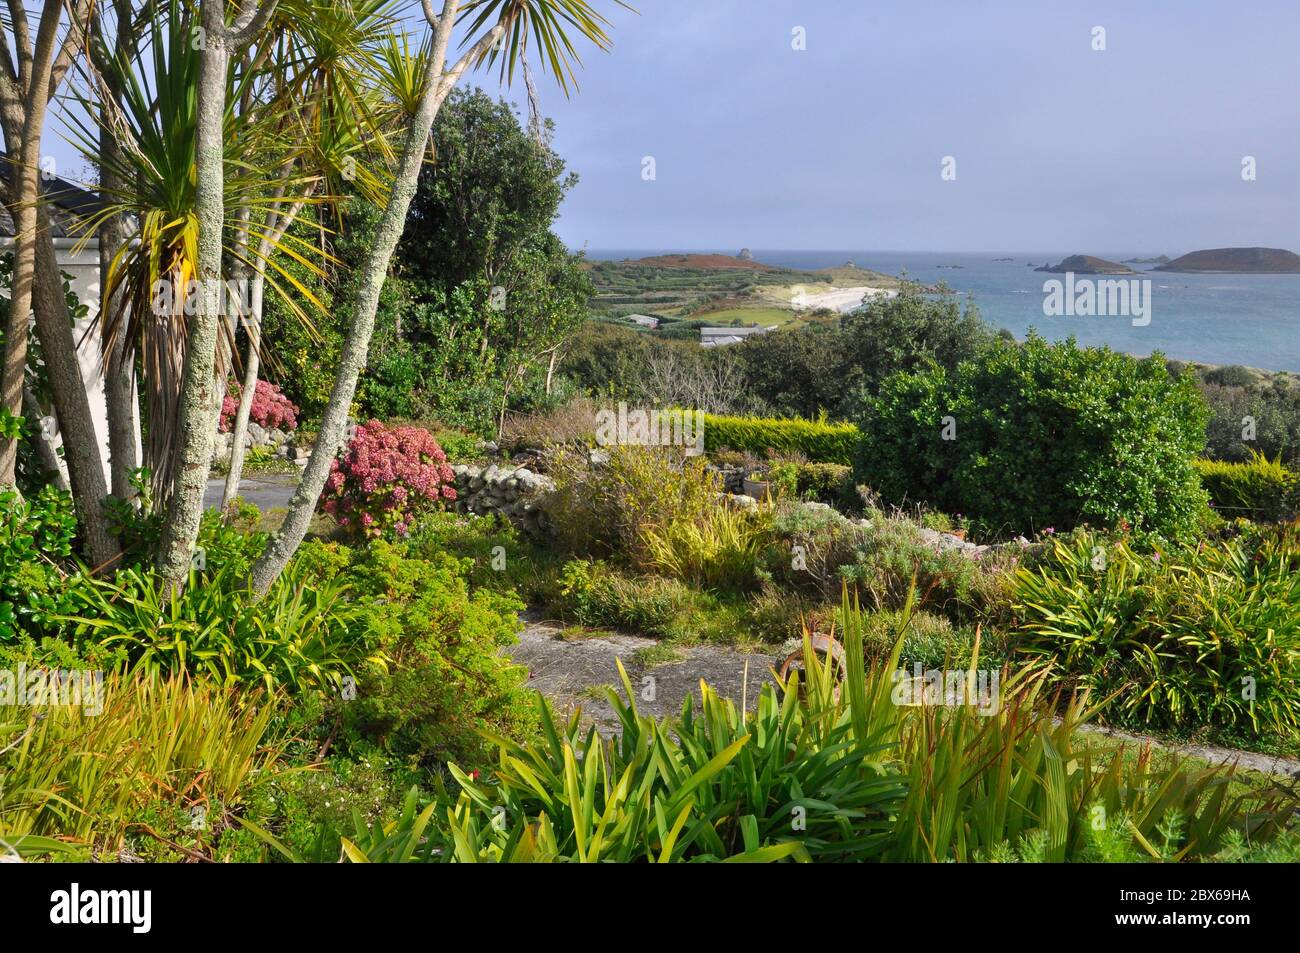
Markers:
point(571, 672)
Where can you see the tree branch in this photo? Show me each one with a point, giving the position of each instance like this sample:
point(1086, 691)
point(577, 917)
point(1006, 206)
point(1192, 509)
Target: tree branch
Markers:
point(479, 49)
point(250, 23)
point(429, 14)
point(72, 44)
point(22, 39)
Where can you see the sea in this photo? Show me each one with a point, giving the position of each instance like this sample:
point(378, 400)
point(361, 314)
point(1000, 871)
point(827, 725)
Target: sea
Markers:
point(1211, 319)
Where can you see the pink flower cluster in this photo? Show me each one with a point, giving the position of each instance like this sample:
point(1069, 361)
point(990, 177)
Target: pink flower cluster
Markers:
point(386, 478)
point(270, 408)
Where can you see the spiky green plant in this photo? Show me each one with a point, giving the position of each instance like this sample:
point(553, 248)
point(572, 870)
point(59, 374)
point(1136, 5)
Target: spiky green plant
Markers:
point(74, 778)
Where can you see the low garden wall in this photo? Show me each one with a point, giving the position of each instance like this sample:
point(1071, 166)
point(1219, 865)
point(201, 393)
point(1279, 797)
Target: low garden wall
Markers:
point(517, 493)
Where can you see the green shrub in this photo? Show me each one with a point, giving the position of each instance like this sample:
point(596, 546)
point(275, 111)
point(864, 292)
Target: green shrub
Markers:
point(1263, 417)
point(818, 441)
point(459, 447)
point(825, 483)
point(607, 509)
point(819, 551)
point(36, 559)
point(445, 679)
point(595, 594)
point(1038, 436)
point(1205, 636)
point(1261, 489)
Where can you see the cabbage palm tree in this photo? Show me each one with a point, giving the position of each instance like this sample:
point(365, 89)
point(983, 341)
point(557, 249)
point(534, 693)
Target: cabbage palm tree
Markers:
point(497, 32)
point(325, 64)
point(150, 184)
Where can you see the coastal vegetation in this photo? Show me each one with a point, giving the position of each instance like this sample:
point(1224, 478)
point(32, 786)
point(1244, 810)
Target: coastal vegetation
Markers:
point(955, 554)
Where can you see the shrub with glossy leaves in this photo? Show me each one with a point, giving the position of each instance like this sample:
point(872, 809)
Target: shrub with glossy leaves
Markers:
point(36, 536)
point(386, 479)
point(1037, 435)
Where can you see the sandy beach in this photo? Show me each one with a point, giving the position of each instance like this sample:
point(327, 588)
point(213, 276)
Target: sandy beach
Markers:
point(838, 299)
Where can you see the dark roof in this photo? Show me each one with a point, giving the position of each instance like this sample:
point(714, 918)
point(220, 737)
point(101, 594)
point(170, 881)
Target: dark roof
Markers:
point(67, 204)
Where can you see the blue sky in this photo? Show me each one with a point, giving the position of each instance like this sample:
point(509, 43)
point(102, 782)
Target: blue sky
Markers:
point(840, 145)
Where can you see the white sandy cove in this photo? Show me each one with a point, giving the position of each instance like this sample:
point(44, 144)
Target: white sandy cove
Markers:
point(838, 299)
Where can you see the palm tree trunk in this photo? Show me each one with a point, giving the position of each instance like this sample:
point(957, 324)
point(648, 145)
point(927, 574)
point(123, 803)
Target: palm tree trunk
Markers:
point(356, 345)
point(26, 196)
point(239, 429)
point(252, 364)
point(199, 404)
point(119, 377)
point(72, 406)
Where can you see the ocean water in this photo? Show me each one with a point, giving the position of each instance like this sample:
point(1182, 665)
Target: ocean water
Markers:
point(1213, 319)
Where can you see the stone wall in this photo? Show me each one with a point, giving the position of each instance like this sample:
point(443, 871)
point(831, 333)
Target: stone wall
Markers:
point(517, 493)
point(282, 443)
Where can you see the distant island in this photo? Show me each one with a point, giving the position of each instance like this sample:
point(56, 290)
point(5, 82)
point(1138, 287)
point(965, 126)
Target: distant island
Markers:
point(1088, 265)
point(1158, 260)
point(702, 262)
point(1237, 261)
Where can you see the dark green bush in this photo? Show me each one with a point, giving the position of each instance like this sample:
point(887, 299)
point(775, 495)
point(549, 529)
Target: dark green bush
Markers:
point(1252, 415)
point(1039, 435)
point(36, 538)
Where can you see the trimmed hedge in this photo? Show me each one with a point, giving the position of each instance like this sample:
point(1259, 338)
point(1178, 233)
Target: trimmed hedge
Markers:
point(819, 442)
point(1261, 489)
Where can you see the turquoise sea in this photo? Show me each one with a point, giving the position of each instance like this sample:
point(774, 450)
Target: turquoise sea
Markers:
point(1214, 319)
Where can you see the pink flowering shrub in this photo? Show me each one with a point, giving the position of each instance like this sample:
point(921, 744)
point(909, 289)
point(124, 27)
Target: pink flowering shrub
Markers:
point(386, 479)
point(270, 408)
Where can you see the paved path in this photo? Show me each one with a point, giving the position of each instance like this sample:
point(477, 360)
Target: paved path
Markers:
point(268, 491)
point(571, 672)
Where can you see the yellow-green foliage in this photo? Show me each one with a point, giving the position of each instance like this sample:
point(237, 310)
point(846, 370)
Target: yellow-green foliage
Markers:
point(1260, 488)
point(85, 776)
point(720, 549)
point(606, 510)
point(1206, 635)
point(819, 441)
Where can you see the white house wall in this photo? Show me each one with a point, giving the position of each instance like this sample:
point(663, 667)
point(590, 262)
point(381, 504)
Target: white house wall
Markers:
point(82, 264)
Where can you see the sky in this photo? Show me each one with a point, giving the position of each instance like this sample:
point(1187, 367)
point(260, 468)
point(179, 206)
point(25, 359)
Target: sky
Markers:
point(841, 144)
point(1056, 144)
